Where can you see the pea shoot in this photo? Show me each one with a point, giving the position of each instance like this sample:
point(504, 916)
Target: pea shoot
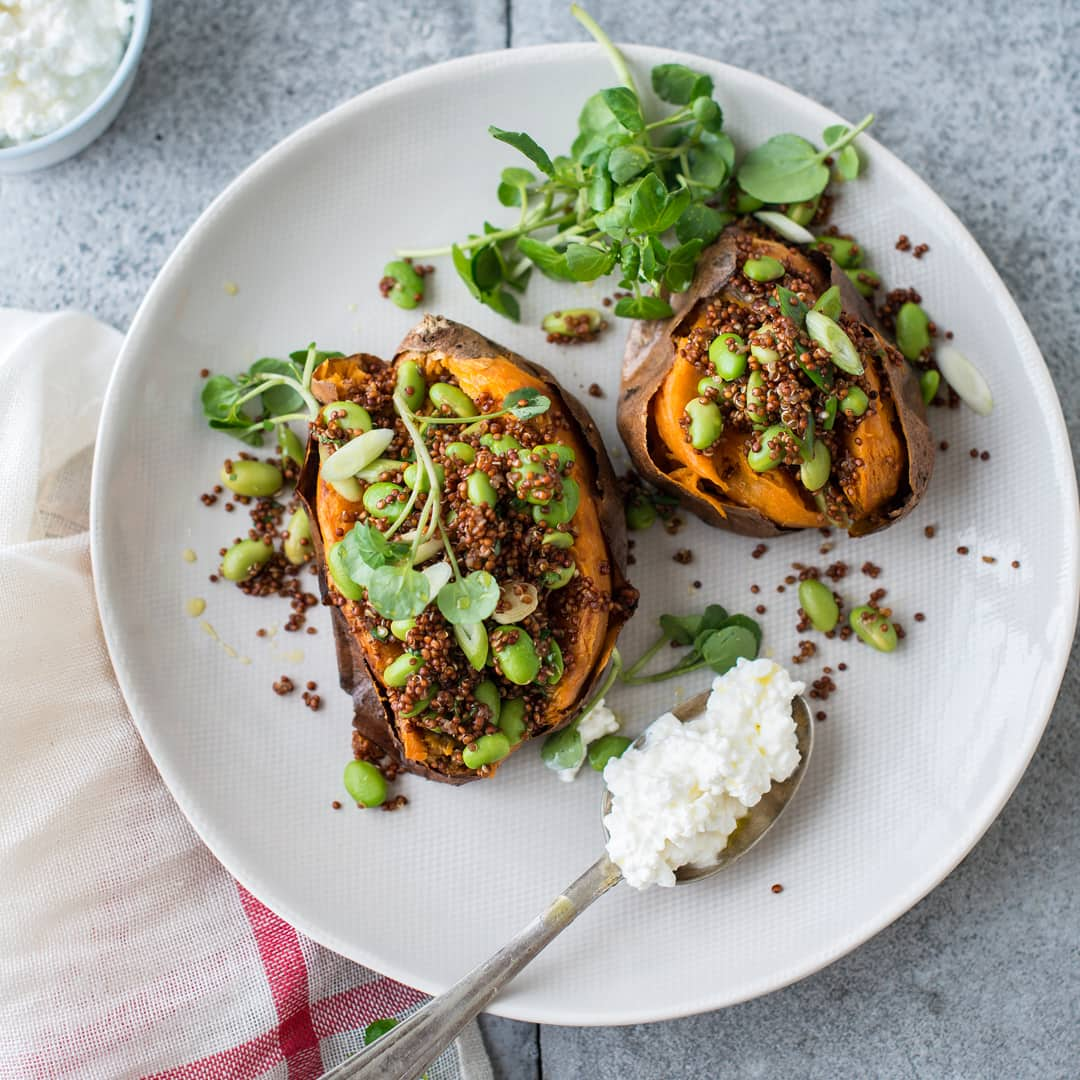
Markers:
point(716, 640)
point(635, 196)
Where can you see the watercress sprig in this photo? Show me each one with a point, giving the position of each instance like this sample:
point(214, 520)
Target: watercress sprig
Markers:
point(611, 204)
point(716, 639)
point(283, 388)
point(566, 748)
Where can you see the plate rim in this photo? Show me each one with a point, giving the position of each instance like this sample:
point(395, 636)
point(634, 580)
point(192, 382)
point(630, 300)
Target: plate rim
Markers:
point(107, 450)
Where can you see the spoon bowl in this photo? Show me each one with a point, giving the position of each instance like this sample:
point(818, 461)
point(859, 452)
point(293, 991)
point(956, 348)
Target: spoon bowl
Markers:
point(762, 816)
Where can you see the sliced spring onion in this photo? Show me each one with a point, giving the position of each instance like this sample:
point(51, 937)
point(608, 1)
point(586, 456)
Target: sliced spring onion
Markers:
point(964, 377)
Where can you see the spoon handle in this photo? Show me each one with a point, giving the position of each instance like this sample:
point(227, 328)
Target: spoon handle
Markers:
point(407, 1049)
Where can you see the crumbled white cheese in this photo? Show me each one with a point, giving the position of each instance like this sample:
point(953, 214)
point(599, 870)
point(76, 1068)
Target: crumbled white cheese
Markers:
point(677, 799)
point(56, 56)
point(600, 722)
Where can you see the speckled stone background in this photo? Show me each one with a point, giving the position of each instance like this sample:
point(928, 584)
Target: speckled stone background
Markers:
point(980, 980)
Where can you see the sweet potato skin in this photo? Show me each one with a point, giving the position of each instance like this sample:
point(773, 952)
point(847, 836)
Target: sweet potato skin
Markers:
point(361, 658)
point(650, 355)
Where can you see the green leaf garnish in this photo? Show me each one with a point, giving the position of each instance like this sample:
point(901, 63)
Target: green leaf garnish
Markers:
point(526, 403)
point(679, 85)
point(472, 599)
point(398, 592)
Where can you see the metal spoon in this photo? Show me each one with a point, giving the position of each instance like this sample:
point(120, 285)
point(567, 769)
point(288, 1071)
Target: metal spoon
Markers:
point(406, 1050)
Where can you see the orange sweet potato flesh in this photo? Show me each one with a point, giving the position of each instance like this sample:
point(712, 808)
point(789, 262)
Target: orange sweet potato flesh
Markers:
point(442, 347)
point(894, 441)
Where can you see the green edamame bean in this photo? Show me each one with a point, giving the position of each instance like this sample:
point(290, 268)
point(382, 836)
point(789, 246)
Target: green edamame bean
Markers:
point(381, 500)
point(553, 657)
point(461, 451)
point(605, 748)
point(845, 253)
point(400, 628)
point(420, 706)
point(866, 282)
point(556, 579)
point(479, 490)
point(912, 330)
point(289, 444)
point(355, 418)
point(814, 473)
point(559, 539)
point(573, 322)
point(763, 353)
point(746, 204)
point(487, 693)
point(410, 476)
point(565, 454)
point(512, 719)
point(245, 559)
point(365, 784)
point(873, 628)
point(817, 600)
point(802, 213)
point(706, 423)
point(710, 382)
point(559, 511)
point(640, 513)
point(339, 573)
point(445, 396)
point(298, 547)
point(500, 444)
point(929, 381)
point(765, 268)
point(486, 750)
point(855, 402)
point(763, 460)
point(397, 672)
point(254, 478)
point(755, 397)
point(728, 356)
point(516, 654)
point(406, 286)
point(411, 384)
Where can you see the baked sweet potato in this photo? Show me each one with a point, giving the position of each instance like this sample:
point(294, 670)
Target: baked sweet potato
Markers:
point(529, 499)
point(803, 438)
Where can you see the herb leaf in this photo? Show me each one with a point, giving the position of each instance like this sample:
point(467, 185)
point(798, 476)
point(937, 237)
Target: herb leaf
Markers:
point(551, 263)
point(643, 307)
point(587, 263)
point(472, 599)
point(372, 547)
point(785, 169)
point(527, 145)
point(680, 267)
point(398, 592)
point(526, 403)
point(725, 647)
point(679, 85)
point(624, 106)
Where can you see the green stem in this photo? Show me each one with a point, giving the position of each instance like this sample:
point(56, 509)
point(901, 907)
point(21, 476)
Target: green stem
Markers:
point(605, 686)
point(557, 218)
point(645, 657)
point(423, 458)
point(280, 380)
point(674, 118)
point(449, 551)
point(309, 365)
point(847, 138)
point(660, 676)
point(618, 61)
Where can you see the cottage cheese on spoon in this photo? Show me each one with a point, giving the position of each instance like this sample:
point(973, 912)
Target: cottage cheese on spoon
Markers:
point(677, 799)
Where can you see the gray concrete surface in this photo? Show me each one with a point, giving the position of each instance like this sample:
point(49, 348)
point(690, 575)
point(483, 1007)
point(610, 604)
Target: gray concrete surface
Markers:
point(980, 980)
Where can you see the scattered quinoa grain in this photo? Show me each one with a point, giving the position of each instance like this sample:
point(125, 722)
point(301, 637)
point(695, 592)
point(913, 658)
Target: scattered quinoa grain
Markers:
point(961, 550)
point(759, 551)
point(929, 531)
point(336, 805)
point(920, 617)
point(778, 888)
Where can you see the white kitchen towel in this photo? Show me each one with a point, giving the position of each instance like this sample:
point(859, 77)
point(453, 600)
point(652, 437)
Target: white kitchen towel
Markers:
point(126, 950)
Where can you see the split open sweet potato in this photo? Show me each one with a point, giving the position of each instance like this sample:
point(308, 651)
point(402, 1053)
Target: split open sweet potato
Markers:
point(763, 415)
point(525, 499)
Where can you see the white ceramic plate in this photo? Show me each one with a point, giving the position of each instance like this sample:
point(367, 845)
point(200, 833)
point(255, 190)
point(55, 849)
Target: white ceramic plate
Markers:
point(921, 748)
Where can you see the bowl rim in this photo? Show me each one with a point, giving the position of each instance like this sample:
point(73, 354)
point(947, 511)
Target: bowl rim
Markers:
point(140, 26)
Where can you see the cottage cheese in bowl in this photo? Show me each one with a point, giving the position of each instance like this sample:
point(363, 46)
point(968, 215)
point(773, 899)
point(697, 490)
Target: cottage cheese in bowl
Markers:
point(677, 799)
point(56, 57)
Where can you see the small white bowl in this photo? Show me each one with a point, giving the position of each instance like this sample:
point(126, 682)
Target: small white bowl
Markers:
point(79, 133)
